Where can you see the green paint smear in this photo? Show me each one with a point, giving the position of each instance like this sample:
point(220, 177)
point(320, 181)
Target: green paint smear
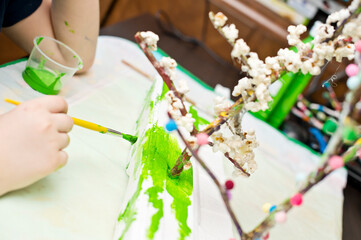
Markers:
point(165, 89)
point(132, 139)
point(67, 24)
point(38, 41)
point(129, 214)
point(159, 98)
point(199, 120)
point(160, 150)
point(157, 203)
point(151, 105)
point(43, 80)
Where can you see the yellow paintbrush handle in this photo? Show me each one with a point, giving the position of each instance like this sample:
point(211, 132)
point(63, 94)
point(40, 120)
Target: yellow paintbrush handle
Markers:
point(90, 125)
point(77, 121)
point(11, 101)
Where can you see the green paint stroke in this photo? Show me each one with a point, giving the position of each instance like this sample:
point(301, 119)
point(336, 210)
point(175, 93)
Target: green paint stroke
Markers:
point(38, 41)
point(129, 214)
point(165, 89)
point(160, 151)
point(157, 203)
point(199, 120)
point(130, 138)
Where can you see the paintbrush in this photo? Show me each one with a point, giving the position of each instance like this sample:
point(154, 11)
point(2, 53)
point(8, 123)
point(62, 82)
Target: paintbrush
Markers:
point(93, 126)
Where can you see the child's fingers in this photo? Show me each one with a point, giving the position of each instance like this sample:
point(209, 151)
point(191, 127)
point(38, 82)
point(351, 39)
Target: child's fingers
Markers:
point(64, 140)
point(63, 159)
point(63, 122)
point(53, 104)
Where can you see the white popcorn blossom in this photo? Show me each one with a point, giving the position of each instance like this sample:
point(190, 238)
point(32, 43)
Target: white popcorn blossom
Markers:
point(293, 40)
point(307, 66)
point(309, 63)
point(174, 105)
point(244, 84)
point(262, 93)
point(295, 33)
point(192, 142)
point(187, 165)
point(169, 65)
point(323, 32)
point(239, 148)
point(353, 29)
point(258, 82)
point(304, 49)
point(168, 62)
point(175, 102)
point(150, 39)
point(257, 69)
point(324, 50)
point(338, 16)
point(297, 30)
point(256, 106)
point(345, 51)
point(219, 143)
point(240, 48)
point(230, 32)
point(290, 59)
point(218, 20)
point(272, 63)
point(175, 113)
point(354, 5)
point(251, 165)
point(221, 105)
point(236, 173)
point(245, 68)
point(183, 86)
point(186, 122)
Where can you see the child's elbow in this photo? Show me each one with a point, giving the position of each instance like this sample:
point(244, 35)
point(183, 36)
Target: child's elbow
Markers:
point(87, 64)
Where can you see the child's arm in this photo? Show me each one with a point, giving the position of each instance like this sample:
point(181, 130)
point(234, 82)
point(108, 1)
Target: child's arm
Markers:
point(32, 139)
point(74, 22)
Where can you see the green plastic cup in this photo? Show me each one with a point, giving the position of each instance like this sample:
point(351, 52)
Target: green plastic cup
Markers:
point(50, 65)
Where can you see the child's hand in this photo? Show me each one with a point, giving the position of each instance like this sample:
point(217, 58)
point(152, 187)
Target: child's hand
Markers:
point(32, 139)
